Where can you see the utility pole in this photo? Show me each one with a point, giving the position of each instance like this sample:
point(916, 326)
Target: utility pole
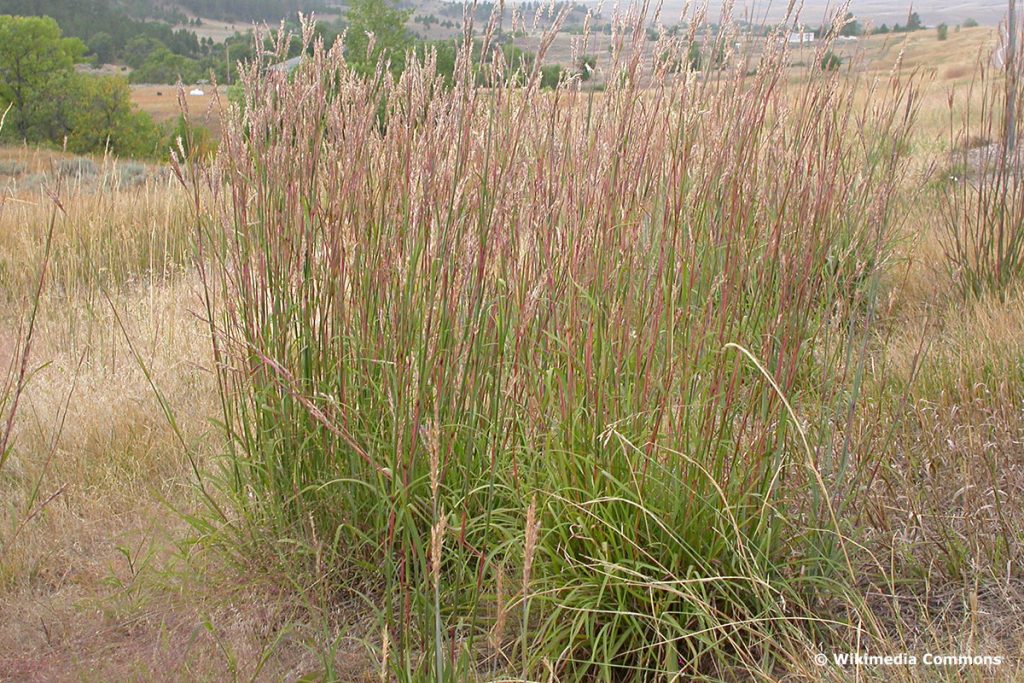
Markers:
point(1010, 124)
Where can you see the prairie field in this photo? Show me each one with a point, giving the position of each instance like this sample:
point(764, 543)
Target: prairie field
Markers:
point(709, 375)
point(163, 104)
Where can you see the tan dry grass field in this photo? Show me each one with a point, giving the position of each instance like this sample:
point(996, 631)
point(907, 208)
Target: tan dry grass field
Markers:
point(163, 104)
point(102, 576)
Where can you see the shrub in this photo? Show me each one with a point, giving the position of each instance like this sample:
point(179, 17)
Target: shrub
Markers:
point(831, 61)
point(497, 379)
point(30, 182)
point(77, 168)
point(11, 168)
point(550, 75)
point(586, 66)
point(942, 31)
point(130, 174)
point(196, 140)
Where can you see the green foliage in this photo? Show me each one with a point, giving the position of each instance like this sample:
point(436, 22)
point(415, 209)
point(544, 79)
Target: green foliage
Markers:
point(550, 76)
point(831, 61)
point(87, 19)
point(851, 27)
point(391, 40)
point(585, 67)
point(52, 103)
point(37, 77)
point(163, 66)
point(107, 120)
point(943, 31)
point(970, 23)
point(101, 45)
point(254, 10)
point(196, 141)
point(138, 49)
point(115, 36)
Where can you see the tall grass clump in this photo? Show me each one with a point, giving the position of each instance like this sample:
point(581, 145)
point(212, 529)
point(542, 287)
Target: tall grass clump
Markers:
point(982, 212)
point(552, 380)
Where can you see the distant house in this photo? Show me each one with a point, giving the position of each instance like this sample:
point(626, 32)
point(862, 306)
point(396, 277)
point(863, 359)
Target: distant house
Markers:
point(801, 37)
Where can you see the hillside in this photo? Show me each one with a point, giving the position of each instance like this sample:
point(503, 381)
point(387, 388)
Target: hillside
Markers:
point(813, 12)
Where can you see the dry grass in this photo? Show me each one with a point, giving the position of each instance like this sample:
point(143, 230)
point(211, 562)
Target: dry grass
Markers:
point(102, 238)
point(161, 102)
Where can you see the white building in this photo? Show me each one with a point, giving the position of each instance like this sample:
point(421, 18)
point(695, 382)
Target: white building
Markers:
point(801, 37)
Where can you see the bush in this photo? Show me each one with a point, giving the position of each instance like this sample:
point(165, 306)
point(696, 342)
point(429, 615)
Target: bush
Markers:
point(550, 75)
point(942, 30)
point(77, 168)
point(511, 380)
point(197, 141)
point(586, 66)
point(130, 174)
point(10, 168)
point(831, 61)
point(106, 121)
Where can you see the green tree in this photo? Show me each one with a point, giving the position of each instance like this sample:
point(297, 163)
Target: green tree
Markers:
point(550, 76)
point(102, 45)
point(831, 61)
point(851, 27)
point(943, 31)
point(105, 119)
point(376, 30)
point(163, 66)
point(970, 23)
point(37, 75)
point(139, 48)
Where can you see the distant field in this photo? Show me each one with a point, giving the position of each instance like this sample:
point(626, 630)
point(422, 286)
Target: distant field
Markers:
point(217, 30)
point(161, 102)
point(220, 30)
